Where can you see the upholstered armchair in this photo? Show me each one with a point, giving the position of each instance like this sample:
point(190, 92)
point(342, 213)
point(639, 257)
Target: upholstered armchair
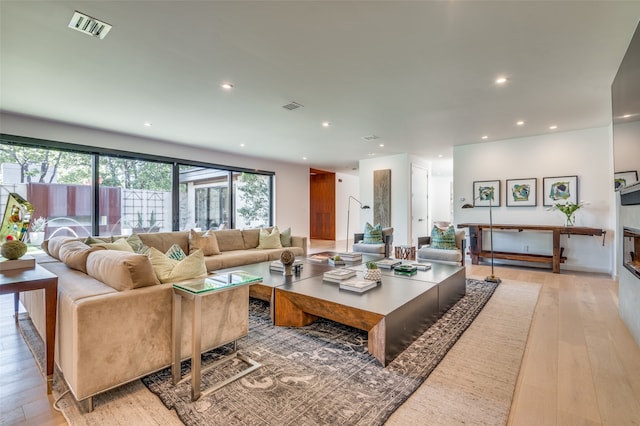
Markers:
point(427, 253)
point(381, 248)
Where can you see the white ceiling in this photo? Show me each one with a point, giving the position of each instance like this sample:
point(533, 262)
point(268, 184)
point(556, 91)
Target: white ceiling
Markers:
point(420, 75)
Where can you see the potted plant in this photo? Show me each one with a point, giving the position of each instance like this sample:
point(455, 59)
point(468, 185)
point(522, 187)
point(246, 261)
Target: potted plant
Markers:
point(372, 272)
point(569, 209)
point(36, 235)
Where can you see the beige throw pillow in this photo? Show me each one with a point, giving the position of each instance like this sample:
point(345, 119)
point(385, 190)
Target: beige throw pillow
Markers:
point(121, 245)
point(270, 240)
point(74, 254)
point(170, 270)
point(206, 242)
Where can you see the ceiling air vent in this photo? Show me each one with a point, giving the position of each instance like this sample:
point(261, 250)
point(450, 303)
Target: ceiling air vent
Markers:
point(370, 138)
point(88, 25)
point(292, 106)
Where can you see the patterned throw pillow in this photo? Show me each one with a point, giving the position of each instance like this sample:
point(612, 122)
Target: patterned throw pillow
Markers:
point(443, 239)
point(175, 252)
point(372, 234)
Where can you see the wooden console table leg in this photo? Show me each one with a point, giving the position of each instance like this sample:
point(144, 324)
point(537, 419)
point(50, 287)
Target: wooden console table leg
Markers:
point(556, 252)
point(51, 305)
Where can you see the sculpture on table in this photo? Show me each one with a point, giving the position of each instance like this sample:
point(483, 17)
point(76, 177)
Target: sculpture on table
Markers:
point(287, 258)
point(16, 219)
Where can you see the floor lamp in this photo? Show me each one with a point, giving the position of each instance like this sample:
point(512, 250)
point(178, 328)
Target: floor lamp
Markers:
point(365, 207)
point(491, 278)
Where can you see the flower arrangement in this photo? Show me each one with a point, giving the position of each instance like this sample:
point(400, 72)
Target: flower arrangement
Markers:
point(569, 209)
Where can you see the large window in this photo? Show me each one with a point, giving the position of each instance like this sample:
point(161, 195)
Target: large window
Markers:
point(128, 192)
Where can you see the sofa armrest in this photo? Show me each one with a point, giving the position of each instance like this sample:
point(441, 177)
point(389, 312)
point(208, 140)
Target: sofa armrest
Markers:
point(297, 241)
point(357, 237)
point(388, 240)
point(423, 241)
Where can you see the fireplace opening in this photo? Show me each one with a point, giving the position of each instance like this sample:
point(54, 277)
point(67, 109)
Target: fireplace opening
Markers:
point(631, 250)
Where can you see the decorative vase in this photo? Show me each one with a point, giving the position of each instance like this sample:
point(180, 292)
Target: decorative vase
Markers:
point(373, 275)
point(571, 220)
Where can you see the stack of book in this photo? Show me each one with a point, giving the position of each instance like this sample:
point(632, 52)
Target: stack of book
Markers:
point(350, 257)
point(388, 263)
point(320, 257)
point(338, 275)
point(358, 285)
point(405, 269)
point(422, 266)
point(277, 266)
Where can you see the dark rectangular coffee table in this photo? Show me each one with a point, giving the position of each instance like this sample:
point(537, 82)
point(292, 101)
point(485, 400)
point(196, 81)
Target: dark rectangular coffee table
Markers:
point(394, 313)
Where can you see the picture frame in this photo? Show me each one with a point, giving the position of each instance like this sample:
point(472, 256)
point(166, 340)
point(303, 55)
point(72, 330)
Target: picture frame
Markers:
point(521, 192)
point(560, 189)
point(622, 179)
point(481, 191)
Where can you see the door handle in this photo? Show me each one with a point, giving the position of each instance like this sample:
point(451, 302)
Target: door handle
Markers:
point(420, 220)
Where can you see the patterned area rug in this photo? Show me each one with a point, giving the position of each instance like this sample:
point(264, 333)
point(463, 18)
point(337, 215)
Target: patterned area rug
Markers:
point(316, 375)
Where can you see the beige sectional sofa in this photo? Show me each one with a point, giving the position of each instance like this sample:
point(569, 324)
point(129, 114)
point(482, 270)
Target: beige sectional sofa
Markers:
point(114, 315)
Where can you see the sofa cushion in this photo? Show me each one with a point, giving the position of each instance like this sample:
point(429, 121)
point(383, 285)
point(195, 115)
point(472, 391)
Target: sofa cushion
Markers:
point(285, 237)
point(270, 240)
point(120, 245)
point(121, 270)
point(368, 248)
point(207, 242)
point(96, 240)
point(170, 270)
point(443, 239)
point(251, 237)
point(135, 242)
point(229, 239)
point(52, 245)
point(164, 240)
point(74, 254)
point(372, 234)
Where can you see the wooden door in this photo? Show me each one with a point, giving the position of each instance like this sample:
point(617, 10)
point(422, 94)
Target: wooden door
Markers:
point(322, 205)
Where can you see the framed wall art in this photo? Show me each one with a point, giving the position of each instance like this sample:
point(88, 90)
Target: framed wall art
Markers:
point(622, 179)
point(522, 192)
point(560, 189)
point(486, 193)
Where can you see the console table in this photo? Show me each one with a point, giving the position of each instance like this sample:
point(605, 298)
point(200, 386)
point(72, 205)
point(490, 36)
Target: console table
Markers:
point(476, 251)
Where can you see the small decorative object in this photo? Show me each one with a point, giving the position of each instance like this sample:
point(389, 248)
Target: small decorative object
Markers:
point(336, 261)
point(372, 273)
point(569, 209)
point(560, 189)
point(36, 235)
point(287, 258)
point(17, 215)
point(13, 249)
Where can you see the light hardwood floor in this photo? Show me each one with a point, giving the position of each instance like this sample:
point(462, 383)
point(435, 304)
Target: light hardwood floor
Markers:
point(581, 365)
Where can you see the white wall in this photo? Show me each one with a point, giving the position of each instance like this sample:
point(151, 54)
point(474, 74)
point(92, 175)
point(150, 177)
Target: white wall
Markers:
point(347, 185)
point(585, 153)
point(440, 196)
point(291, 181)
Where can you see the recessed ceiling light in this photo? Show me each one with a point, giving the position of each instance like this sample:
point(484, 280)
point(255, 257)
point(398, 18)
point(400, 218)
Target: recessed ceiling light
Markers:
point(553, 127)
point(485, 137)
point(520, 123)
point(381, 145)
point(304, 158)
point(227, 86)
point(440, 156)
point(147, 124)
point(326, 124)
point(501, 80)
point(626, 116)
point(242, 145)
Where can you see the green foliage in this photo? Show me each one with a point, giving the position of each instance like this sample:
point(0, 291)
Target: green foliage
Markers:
point(372, 265)
point(253, 191)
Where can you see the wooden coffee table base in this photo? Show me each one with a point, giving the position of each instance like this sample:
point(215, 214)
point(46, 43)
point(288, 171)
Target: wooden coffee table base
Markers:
point(387, 335)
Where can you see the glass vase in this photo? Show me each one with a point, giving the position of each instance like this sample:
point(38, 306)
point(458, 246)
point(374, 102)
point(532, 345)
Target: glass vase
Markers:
point(571, 220)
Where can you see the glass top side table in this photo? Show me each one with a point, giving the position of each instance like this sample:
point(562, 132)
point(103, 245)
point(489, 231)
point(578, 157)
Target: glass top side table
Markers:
point(196, 290)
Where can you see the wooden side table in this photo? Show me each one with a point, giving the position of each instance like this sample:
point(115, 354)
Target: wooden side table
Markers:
point(18, 280)
point(405, 252)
